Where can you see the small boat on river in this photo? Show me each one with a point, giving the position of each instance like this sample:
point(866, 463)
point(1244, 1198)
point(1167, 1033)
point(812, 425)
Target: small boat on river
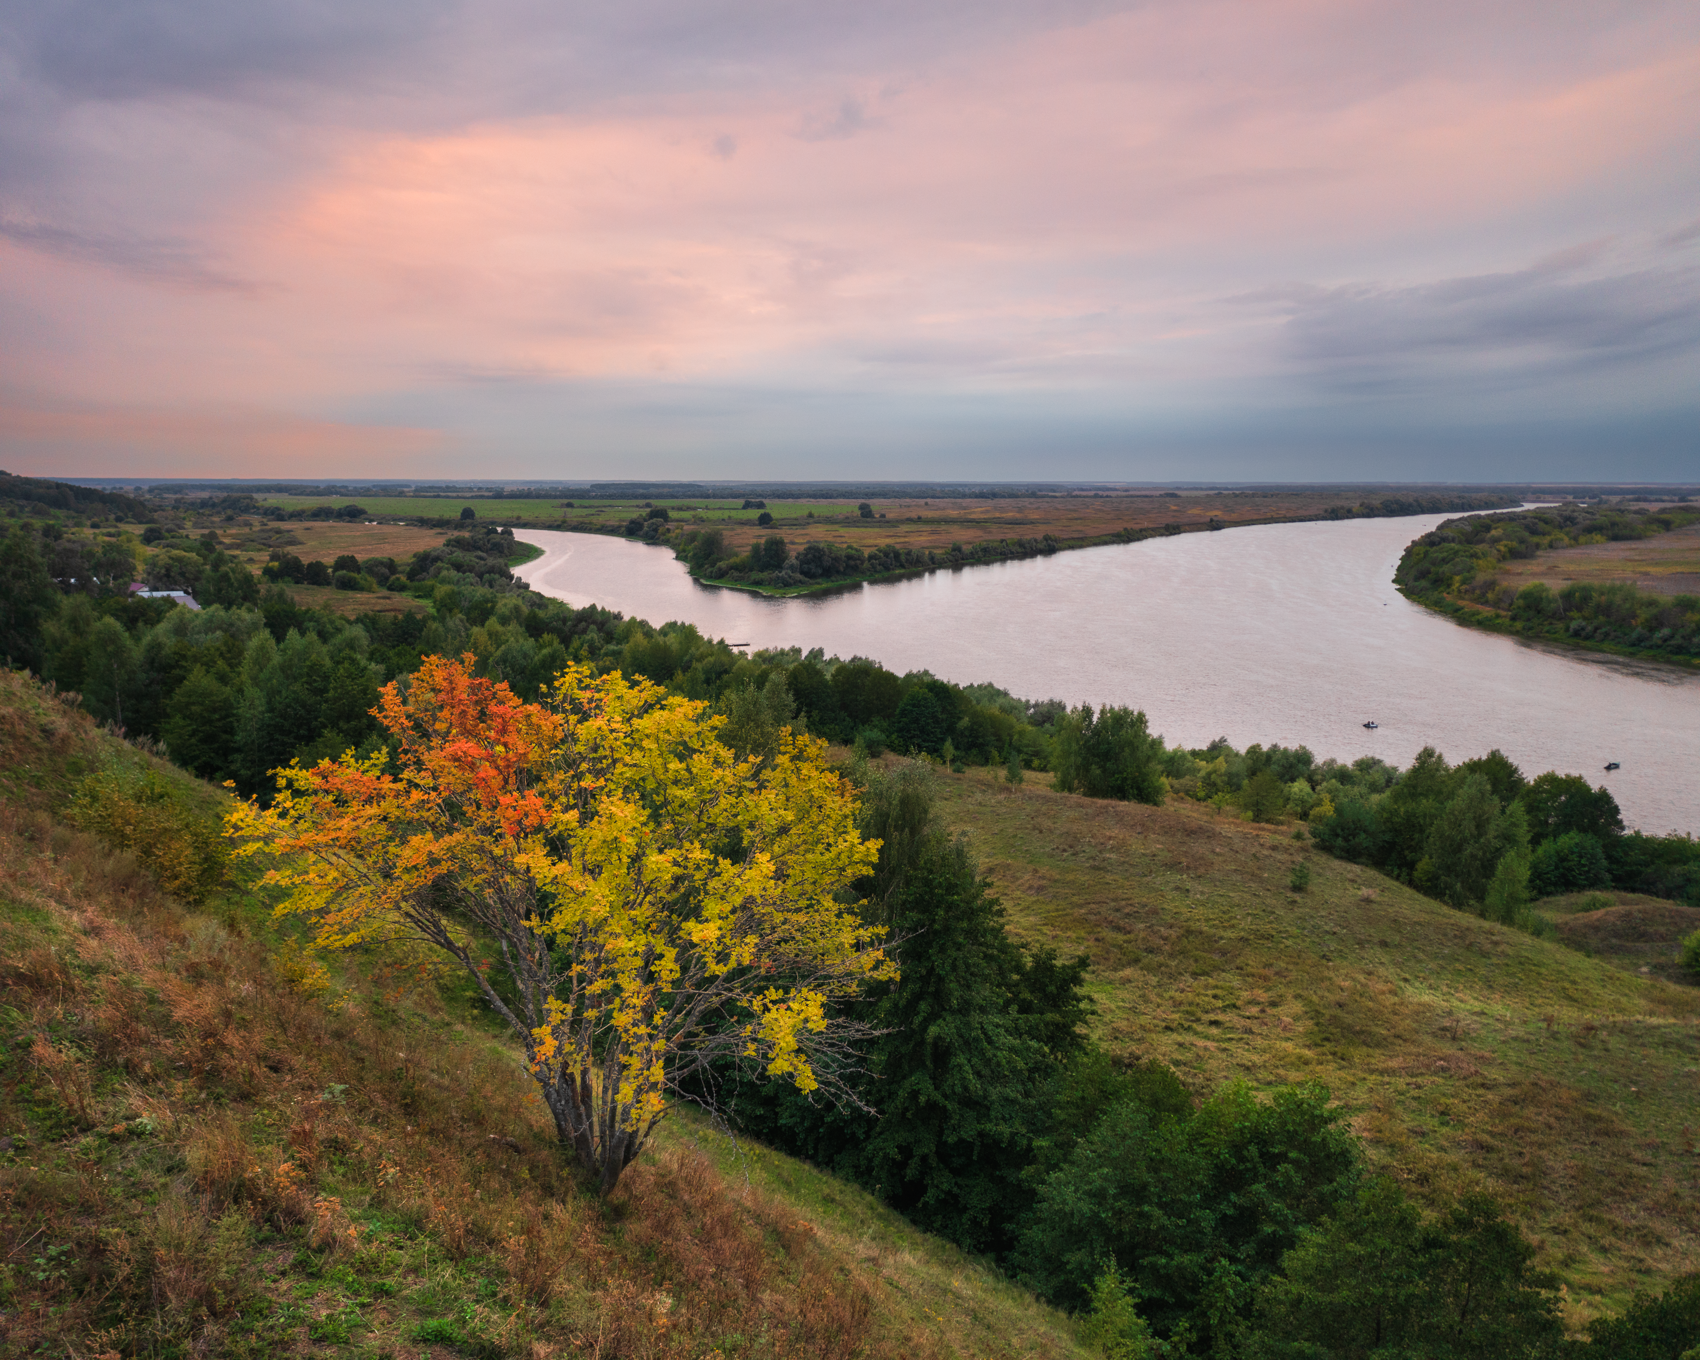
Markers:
point(1613, 765)
point(1372, 725)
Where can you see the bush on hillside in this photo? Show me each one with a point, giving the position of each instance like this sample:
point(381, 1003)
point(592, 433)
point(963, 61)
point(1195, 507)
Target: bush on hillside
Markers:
point(137, 811)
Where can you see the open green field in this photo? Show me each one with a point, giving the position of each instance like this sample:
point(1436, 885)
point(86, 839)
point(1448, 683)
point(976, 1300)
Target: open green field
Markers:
point(1469, 1054)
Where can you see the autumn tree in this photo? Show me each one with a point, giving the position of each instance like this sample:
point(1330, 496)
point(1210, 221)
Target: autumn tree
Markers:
point(657, 902)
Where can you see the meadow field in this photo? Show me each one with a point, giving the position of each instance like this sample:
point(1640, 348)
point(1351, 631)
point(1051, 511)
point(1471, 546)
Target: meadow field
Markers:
point(1666, 564)
point(933, 524)
point(1471, 1055)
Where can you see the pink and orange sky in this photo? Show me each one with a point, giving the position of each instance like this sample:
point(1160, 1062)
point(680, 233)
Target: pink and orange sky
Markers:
point(766, 238)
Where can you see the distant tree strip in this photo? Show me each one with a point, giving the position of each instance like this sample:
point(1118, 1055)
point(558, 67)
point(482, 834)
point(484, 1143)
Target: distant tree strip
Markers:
point(1454, 569)
point(776, 566)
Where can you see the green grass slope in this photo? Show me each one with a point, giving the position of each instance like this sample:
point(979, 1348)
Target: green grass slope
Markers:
point(209, 1148)
point(1468, 1054)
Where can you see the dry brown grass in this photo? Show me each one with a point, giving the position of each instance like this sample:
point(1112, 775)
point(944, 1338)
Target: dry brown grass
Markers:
point(1642, 934)
point(1666, 564)
point(937, 524)
point(353, 604)
point(328, 541)
point(205, 1159)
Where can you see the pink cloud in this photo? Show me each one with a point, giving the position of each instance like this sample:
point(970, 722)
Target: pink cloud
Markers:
point(1054, 208)
point(123, 441)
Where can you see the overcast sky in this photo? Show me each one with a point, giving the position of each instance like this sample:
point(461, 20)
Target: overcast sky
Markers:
point(895, 238)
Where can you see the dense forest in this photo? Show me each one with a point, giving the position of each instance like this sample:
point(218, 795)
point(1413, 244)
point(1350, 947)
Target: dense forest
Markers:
point(1230, 1223)
point(1454, 567)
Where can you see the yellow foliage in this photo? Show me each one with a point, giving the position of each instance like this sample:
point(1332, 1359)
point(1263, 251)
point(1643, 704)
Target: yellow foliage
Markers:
point(136, 811)
point(658, 901)
point(303, 970)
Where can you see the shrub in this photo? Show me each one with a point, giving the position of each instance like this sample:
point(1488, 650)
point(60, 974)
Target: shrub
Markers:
point(1113, 1325)
point(1111, 754)
point(137, 811)
point(1690, 955)
point(1653, 1327)
point(1300, 879)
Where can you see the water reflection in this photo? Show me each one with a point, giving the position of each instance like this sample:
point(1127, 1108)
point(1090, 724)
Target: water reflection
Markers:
point(1287, 633)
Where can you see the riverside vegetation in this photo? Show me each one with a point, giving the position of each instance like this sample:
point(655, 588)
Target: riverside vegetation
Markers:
point(1466, 568)
point(1135, 1126)
point(789, 539)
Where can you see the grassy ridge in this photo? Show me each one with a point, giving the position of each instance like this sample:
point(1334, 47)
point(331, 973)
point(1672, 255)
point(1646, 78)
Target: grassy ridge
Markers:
point(209, 1149)
point(1469, 1054)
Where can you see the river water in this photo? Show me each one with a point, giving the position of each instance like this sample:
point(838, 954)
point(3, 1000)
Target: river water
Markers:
point(1289, 633)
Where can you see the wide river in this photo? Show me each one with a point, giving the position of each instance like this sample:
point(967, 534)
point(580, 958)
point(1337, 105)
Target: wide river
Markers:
point(1289, 633)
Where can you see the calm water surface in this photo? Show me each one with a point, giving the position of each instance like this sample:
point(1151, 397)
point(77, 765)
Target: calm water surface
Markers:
point(1289, 633)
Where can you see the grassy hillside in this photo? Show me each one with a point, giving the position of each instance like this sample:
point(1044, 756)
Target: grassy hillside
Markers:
point(1469, 1054)
point(206, 1148)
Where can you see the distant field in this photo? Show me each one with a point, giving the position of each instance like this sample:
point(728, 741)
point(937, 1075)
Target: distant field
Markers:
point(1468, 1054)
point(1666, 564)
point(920, 523)
point(328, 541)
point(354, 604)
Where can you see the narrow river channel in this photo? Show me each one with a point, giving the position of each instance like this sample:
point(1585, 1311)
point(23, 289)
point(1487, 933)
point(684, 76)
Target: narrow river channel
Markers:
point(1289, 633)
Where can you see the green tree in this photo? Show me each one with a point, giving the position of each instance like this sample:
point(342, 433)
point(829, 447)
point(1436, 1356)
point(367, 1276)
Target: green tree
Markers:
point(961, 1072)
point(1353, 1289)
point(922, 723)
point(1572, 862)
point(1481, 1297)
point(351, 696)
point(756, 720)
point(1113, 1325)
point(1353, 832)
point(1508, 893)
point(1654, 1326)
point(1264, 797)
point(709, 548)
point(1560, 803)
point(1409, 810)
point(200, 729)
point(1377, 1281)
point(1503, 777)
point(27, 598)
point(816, 699)
point(1197, 1212)
point(1110, 754)
point(1469, 838)
point(108, 669)
point(973, 1036)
